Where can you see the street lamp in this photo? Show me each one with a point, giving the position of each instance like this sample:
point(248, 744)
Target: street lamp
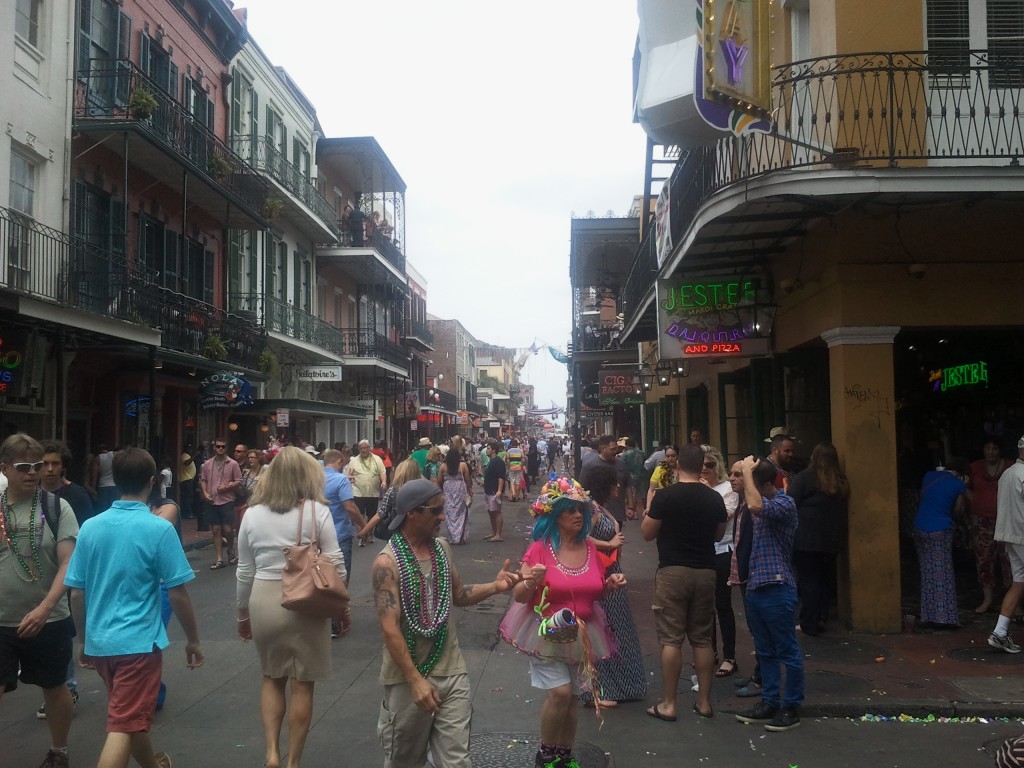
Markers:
point(645, 378)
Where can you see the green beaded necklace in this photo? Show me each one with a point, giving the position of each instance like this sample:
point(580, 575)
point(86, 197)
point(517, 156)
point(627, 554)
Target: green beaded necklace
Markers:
point(421, 620)
point(35, 537)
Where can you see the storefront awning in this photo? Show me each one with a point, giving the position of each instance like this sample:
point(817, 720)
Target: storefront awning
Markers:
point(299, 408)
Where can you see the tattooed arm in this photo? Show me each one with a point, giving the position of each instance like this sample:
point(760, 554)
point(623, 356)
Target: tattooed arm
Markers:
point(471, 594)
point(389, 614)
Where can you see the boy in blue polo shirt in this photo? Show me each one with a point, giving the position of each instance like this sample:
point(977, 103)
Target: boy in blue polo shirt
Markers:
point(114, 577)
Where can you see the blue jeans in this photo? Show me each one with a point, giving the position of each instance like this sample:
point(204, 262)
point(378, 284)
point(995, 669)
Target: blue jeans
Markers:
point(345, 545)
point(770, 616)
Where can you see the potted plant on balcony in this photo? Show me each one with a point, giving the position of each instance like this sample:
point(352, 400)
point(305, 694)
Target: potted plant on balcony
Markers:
point(214, 348)
point(272, 207)
point(219, 167)
point(142, 103)
point(268, 362)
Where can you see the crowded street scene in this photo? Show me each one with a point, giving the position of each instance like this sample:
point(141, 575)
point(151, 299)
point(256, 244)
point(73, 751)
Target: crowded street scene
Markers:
point(691, 435)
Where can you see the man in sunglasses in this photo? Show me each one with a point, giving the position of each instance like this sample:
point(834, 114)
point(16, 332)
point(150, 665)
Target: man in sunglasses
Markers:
point(427, 701)
point(220, 477)
point(37, 538)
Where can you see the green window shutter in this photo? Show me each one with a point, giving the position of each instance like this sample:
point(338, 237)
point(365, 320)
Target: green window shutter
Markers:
point(172, 80)
point(118, 229)
point(170, 266)
point(254, 124)
point(208, 262)
point(234, 262)
point(236, 106)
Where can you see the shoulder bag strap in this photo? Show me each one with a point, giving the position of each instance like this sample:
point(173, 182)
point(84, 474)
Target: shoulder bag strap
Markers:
point(298, 535)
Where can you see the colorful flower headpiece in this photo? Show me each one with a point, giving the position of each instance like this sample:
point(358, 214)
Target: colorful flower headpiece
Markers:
point(556, 492)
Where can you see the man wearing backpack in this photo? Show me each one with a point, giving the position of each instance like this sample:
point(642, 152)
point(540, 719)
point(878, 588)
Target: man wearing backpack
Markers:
point(39, 533)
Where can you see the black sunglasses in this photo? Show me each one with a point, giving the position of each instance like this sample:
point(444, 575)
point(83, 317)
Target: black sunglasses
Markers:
point(220, 447)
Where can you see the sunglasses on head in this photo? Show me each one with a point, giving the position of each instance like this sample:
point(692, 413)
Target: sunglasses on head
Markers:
point(28, 466)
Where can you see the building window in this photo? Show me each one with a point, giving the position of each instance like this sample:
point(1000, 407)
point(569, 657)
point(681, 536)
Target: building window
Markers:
point(948, 30)
point(1005, 29)
point(23, 183)
point(26, 20)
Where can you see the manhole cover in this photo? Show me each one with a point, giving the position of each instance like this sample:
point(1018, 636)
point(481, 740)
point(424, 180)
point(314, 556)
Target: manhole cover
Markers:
point(517, 750)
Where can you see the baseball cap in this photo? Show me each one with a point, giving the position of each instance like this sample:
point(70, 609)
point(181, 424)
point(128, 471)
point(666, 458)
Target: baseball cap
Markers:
point(413, 494)
point(778, 432)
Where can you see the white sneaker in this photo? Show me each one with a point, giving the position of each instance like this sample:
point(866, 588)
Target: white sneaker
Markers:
point(1003, 643)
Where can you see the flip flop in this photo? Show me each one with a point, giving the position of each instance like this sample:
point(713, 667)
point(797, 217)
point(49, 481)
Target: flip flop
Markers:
point(218, 565)
point(722, 672)
point(657, 715)
point(708, 716)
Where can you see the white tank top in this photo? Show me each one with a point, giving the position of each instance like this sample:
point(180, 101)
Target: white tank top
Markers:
point(106, 474)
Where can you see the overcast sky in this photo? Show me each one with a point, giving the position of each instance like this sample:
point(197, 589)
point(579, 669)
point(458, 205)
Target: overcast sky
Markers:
point(503, 120)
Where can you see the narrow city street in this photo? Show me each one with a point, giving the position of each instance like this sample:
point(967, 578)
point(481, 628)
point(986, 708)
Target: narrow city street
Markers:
point(211, 718)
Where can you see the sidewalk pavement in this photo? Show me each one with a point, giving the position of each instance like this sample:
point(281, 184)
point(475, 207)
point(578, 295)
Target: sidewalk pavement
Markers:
point(849, 674)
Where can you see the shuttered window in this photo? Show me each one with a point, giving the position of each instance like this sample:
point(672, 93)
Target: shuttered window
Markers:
point(948, 30)
point(1005, 31)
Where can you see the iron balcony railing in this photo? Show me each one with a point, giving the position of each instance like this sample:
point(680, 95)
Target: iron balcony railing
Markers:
point(262, 155)
point(859, 110)
point(51, 266)
point(438, 398)
point(117, 92)
point(475, 408)
point(414, 329)
point(284, 318)
point(642, 274)
point(200, 329)
point(367, 343)
point(385, 246)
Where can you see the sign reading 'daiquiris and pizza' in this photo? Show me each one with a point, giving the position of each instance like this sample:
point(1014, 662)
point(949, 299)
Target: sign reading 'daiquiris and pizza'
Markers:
point(710, 316)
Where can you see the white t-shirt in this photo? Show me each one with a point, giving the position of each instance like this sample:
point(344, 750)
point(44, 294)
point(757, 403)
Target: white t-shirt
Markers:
point(165, 481)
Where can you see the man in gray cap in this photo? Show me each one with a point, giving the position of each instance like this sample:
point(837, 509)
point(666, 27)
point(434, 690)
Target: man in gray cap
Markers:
point(426, 681)
point(781, 455)
point(1010, 531)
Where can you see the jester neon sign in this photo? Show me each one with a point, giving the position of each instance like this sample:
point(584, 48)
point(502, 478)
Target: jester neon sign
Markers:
point(955, 376)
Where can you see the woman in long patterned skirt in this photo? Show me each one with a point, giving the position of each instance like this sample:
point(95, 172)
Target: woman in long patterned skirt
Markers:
point(942, 496)
point(622, 677)
point(458, 490)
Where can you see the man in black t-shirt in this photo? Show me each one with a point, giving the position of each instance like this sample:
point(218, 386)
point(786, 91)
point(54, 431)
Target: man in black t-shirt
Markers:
point(687, 519)
point(495, 477)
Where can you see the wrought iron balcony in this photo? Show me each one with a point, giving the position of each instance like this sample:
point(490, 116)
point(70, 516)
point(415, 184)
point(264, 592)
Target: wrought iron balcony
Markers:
point(862, 109)
point(262, 155)
point(367, 343)
point(475, 408)
point(281, 317)
point(857, 111)
point(116, 96)
point(419, 331)
point(51, 266)
point(284, 318)
point(385, 246)
point(199, 329)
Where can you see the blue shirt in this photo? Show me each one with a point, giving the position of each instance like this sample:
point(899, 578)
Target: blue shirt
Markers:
point(771, 550)
point(120, 559)
point(939, 492)
point(338, 490)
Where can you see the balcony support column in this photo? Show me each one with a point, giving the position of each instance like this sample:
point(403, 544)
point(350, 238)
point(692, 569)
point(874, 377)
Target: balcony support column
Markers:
point(152, 447)
point(862, 390)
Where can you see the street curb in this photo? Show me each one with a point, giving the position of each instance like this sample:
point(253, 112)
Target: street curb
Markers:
point(190, 546)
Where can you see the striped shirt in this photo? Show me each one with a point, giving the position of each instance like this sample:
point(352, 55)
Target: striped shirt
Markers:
point(771, 551)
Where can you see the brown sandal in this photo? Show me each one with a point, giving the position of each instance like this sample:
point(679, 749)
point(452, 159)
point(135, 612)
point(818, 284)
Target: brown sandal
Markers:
point(723, 672)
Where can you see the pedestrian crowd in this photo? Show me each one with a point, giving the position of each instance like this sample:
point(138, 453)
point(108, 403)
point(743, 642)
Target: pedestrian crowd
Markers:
point(286, 514)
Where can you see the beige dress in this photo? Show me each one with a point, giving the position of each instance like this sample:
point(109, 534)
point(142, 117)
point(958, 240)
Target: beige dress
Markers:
point(289, 643)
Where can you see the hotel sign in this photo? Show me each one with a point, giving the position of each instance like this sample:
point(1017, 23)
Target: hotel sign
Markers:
point(736, 43)
point(711, 316)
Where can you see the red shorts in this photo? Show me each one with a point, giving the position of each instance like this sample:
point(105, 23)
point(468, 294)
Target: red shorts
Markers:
point(133, 682)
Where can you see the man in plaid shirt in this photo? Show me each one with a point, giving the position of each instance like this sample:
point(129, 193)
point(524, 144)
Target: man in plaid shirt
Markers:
point(771, 598)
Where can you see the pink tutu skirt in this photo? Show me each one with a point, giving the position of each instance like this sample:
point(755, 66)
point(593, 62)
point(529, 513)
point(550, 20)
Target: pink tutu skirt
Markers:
point(519, 629)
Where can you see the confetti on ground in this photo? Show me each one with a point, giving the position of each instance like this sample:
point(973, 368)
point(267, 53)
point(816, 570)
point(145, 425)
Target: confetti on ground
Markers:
point(931, 718)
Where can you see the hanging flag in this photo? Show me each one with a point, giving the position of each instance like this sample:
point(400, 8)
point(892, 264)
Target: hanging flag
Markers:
point(559, 356)
point(534, 348)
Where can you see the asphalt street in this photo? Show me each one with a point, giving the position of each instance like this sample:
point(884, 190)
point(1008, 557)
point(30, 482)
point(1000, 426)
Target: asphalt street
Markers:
point(212, 720)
